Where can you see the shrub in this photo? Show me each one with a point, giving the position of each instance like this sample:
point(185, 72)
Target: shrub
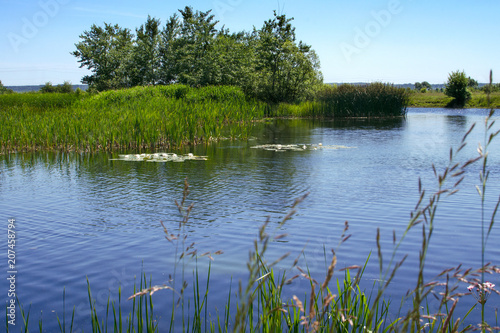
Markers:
point(65, 88)
point(456, 87)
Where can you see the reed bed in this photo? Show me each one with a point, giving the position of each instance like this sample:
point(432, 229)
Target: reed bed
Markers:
point(38, 102)
point(375, 100)
point(136, 118)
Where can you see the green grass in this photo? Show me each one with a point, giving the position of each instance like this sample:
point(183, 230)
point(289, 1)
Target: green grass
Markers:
point(38, 102)
point(433, 99)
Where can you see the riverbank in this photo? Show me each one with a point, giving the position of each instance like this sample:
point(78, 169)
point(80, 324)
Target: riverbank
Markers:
point(165, 117)
point(432, 99)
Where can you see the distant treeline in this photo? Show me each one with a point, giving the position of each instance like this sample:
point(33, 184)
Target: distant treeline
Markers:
point(266, 63)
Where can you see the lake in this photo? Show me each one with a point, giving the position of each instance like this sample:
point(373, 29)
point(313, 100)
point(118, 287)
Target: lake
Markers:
point(96, 216)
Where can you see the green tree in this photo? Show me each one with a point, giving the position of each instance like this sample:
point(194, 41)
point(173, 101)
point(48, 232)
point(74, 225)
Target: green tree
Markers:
point(268, 63)
point(168, 69)
point(106, 52)
point(426, 85)
point(235, 57)
point(456, 87)
point(66, 88)
point(190, 42)
point(146, 60)
point(286, 68)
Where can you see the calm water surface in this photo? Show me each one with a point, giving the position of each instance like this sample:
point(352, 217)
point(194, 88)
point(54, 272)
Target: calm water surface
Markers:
point(81, 215)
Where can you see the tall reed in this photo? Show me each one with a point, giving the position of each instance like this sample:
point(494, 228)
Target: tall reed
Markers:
point(372, 100)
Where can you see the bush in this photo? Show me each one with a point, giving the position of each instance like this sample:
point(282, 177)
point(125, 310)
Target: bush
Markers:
point(456, 87)
point(65, 88)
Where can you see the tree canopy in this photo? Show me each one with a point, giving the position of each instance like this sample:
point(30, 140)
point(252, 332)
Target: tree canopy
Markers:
point(267, 63)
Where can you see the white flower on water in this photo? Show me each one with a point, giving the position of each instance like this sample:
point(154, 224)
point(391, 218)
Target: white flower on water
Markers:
point(161, 157)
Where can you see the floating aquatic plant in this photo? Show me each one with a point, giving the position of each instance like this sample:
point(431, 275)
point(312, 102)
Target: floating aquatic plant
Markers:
point(298, 147)
point(160, 157)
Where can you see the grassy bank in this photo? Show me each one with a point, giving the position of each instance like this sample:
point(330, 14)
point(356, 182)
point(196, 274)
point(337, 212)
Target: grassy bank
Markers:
point(433, 99)
point(156, 117)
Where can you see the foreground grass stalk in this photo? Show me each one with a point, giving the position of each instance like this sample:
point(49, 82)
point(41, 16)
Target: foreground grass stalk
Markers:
point(483, 177)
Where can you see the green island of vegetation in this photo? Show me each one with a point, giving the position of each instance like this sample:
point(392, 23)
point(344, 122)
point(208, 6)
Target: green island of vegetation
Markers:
point(183, 85)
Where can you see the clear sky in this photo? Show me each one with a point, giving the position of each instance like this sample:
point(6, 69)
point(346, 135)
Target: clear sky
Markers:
point(397, 41)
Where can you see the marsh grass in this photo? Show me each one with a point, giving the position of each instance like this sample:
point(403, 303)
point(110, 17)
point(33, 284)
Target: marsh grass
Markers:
point(372, 100)
point(375, 100)
point(136, 118)
point(38, 102)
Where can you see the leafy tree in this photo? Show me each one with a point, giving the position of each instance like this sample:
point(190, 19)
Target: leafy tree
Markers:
point(146, 61)
point(106, 52)
point(168, 72)
point(423, 85)
point(5, 90)
point(268, 63)
point(426, 85)
point(456, 87)
point(191, 43)
point(286, 68)
point(66, 87)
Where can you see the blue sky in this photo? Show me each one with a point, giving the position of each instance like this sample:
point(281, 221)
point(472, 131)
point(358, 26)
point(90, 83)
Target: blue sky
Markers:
point(397, 41)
